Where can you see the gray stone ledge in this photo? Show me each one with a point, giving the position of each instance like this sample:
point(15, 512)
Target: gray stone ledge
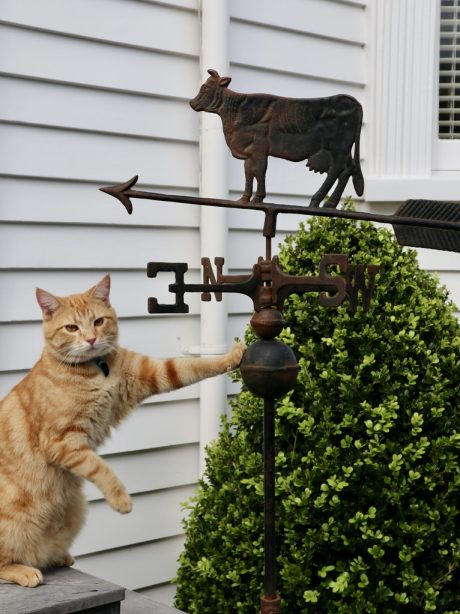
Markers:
point(64, 591)
point(67, 590)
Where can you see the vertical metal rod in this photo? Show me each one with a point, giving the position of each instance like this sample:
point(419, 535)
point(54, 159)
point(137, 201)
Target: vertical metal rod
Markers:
point(270, 602)
point(268, 248)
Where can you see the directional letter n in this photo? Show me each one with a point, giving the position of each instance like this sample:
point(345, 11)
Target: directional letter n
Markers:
point(210, 278)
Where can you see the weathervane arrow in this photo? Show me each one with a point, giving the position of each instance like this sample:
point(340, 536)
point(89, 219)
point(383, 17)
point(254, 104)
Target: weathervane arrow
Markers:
point(417, 223)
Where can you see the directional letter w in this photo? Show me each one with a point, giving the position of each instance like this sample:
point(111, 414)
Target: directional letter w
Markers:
point(356, 282)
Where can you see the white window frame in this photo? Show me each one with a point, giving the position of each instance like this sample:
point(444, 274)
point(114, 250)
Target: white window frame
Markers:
point(405, 158)
point(446, 152)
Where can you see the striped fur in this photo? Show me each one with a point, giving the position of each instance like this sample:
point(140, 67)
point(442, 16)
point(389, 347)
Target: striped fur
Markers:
point(52, 422)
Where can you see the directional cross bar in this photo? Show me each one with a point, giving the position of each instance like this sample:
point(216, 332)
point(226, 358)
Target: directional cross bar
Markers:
point(268, 285)
point(418, 223)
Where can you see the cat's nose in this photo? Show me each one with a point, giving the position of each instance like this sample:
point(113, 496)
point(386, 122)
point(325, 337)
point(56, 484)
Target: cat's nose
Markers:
point(91, 341)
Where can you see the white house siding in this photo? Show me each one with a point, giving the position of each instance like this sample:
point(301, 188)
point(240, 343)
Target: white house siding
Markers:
point(298, 48)
point(93, 92)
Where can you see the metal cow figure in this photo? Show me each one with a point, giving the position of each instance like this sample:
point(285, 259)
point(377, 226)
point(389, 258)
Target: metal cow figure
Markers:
point(260, 125)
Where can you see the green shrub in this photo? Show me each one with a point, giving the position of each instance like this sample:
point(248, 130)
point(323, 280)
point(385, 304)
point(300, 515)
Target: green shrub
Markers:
point(368, 469)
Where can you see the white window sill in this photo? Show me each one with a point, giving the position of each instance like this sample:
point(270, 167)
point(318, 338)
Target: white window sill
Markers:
point(442, 186)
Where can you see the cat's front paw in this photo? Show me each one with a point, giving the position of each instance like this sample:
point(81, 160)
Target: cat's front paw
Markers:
point(28, 576)
point(235, 356)
point(121, 502)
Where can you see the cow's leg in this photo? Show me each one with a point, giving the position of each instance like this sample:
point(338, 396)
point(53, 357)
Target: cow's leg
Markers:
point(341, 183)
point(260, 170)
point(331, 178)
point(333, 201)
point(249, 175)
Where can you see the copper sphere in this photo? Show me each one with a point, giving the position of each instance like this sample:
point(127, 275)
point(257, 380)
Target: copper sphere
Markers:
point(269, 368)
point(267, 323)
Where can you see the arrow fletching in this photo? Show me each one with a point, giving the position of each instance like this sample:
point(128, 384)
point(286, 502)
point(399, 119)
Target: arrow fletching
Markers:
point(437, 237)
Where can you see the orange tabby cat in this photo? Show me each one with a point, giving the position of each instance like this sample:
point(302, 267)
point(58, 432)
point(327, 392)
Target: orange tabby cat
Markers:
point(54, 419)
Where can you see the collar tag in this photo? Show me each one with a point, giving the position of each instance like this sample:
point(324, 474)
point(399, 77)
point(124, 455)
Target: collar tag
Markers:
point(103, 366)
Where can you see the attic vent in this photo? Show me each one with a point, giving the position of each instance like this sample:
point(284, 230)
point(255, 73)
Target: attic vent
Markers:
point(449, 70)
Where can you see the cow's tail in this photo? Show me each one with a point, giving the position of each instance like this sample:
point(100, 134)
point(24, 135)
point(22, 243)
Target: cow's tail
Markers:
point(358, 179)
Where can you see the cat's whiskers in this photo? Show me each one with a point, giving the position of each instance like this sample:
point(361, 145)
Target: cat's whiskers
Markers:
point(64, 362)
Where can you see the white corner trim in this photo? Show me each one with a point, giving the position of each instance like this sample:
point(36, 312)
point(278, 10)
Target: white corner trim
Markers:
point(402, 48)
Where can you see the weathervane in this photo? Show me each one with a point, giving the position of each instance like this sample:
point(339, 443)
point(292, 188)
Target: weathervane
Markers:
point(256, 126)
point(325, 133)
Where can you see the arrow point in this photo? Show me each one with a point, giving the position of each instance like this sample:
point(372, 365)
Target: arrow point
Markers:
point(120, 192)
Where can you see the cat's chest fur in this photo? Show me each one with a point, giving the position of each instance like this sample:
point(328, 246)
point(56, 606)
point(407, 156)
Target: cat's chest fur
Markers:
point(97, 406)
point(86, 404)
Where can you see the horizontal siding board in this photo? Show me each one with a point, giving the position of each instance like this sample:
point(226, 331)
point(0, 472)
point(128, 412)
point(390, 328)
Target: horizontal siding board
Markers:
point(152, 336)
point(152, 426)
point(77, 202)
point(57, 104)
point(137, 566)
point(237, 325)
point(129, 292)
point(284, 177)
point(436, 260)
point(59, 58)
point(104, 247)
point(150, 470)
point(140, 24)
point(340, 21)
point(48, 152)
point(154, 516)
point(245, 247)
point(451, 281)
point(239, 304)
point(259, 47)
point(9, 379)
point(247, 78)
point(253, 220)
point(187, 5)
point(164, 593)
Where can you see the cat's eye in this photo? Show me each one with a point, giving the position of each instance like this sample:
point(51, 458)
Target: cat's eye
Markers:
point(71, 328)
point(99, 322)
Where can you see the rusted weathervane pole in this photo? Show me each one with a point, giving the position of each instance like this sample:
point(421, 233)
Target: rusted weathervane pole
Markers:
point(322, 130)
point(269, 367)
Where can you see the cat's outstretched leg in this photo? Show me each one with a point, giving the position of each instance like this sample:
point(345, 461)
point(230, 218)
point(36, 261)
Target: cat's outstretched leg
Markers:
point(164, 375)
point(21, 574)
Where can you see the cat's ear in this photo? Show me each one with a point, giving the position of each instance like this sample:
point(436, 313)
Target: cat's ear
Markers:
point(101, 290)
point(48, 303)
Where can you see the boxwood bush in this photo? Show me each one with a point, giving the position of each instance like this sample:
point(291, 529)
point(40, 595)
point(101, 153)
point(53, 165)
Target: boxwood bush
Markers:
point(368, 469)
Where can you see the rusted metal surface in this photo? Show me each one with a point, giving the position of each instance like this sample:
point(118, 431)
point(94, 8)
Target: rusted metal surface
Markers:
point(269, 368)
point(270, 600)
point(320, 130)
point(267, 323)
point(440, 219)
point(324, 131)
point(270, 606)
point(268, 286)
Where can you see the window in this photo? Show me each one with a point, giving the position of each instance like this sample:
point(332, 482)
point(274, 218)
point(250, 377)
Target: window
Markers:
point(449, 71)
